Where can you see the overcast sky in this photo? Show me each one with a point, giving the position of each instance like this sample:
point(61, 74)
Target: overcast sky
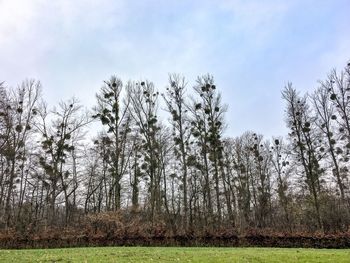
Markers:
point(252, 48)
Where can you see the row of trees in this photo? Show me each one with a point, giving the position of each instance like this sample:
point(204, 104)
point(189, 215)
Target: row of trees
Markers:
point(181, 171)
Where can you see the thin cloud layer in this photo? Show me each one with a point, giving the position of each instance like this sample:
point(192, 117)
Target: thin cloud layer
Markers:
point(252, 48)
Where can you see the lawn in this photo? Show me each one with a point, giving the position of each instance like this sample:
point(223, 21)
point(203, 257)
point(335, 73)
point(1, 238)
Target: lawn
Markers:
point(178, 254)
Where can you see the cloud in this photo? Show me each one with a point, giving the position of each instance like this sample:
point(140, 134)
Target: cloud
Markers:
point(251, 47)
point(42, 39)
point(16, 18)
point(256, 20)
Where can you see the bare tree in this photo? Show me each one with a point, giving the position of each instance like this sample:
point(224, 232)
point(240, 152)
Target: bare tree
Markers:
point(176, 105)
point(59, 139)
point(305, 144)
point(282, 170)
point(115, 116)
point(17, 117)
point(143, 109)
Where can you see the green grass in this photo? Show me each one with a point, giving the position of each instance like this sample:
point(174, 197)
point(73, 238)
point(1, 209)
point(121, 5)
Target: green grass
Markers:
point(178, 254)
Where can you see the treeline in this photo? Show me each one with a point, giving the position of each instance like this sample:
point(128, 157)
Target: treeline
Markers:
point(181, 173)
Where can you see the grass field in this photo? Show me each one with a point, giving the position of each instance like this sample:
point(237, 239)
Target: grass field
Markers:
point(156, 254)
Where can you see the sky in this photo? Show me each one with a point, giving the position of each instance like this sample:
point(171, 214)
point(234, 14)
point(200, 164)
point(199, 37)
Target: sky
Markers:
point(253, 48)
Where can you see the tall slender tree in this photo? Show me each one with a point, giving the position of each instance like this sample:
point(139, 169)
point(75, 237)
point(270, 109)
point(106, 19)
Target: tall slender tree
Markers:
point(305, 139)
point(176, 105)
point(114, 115)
